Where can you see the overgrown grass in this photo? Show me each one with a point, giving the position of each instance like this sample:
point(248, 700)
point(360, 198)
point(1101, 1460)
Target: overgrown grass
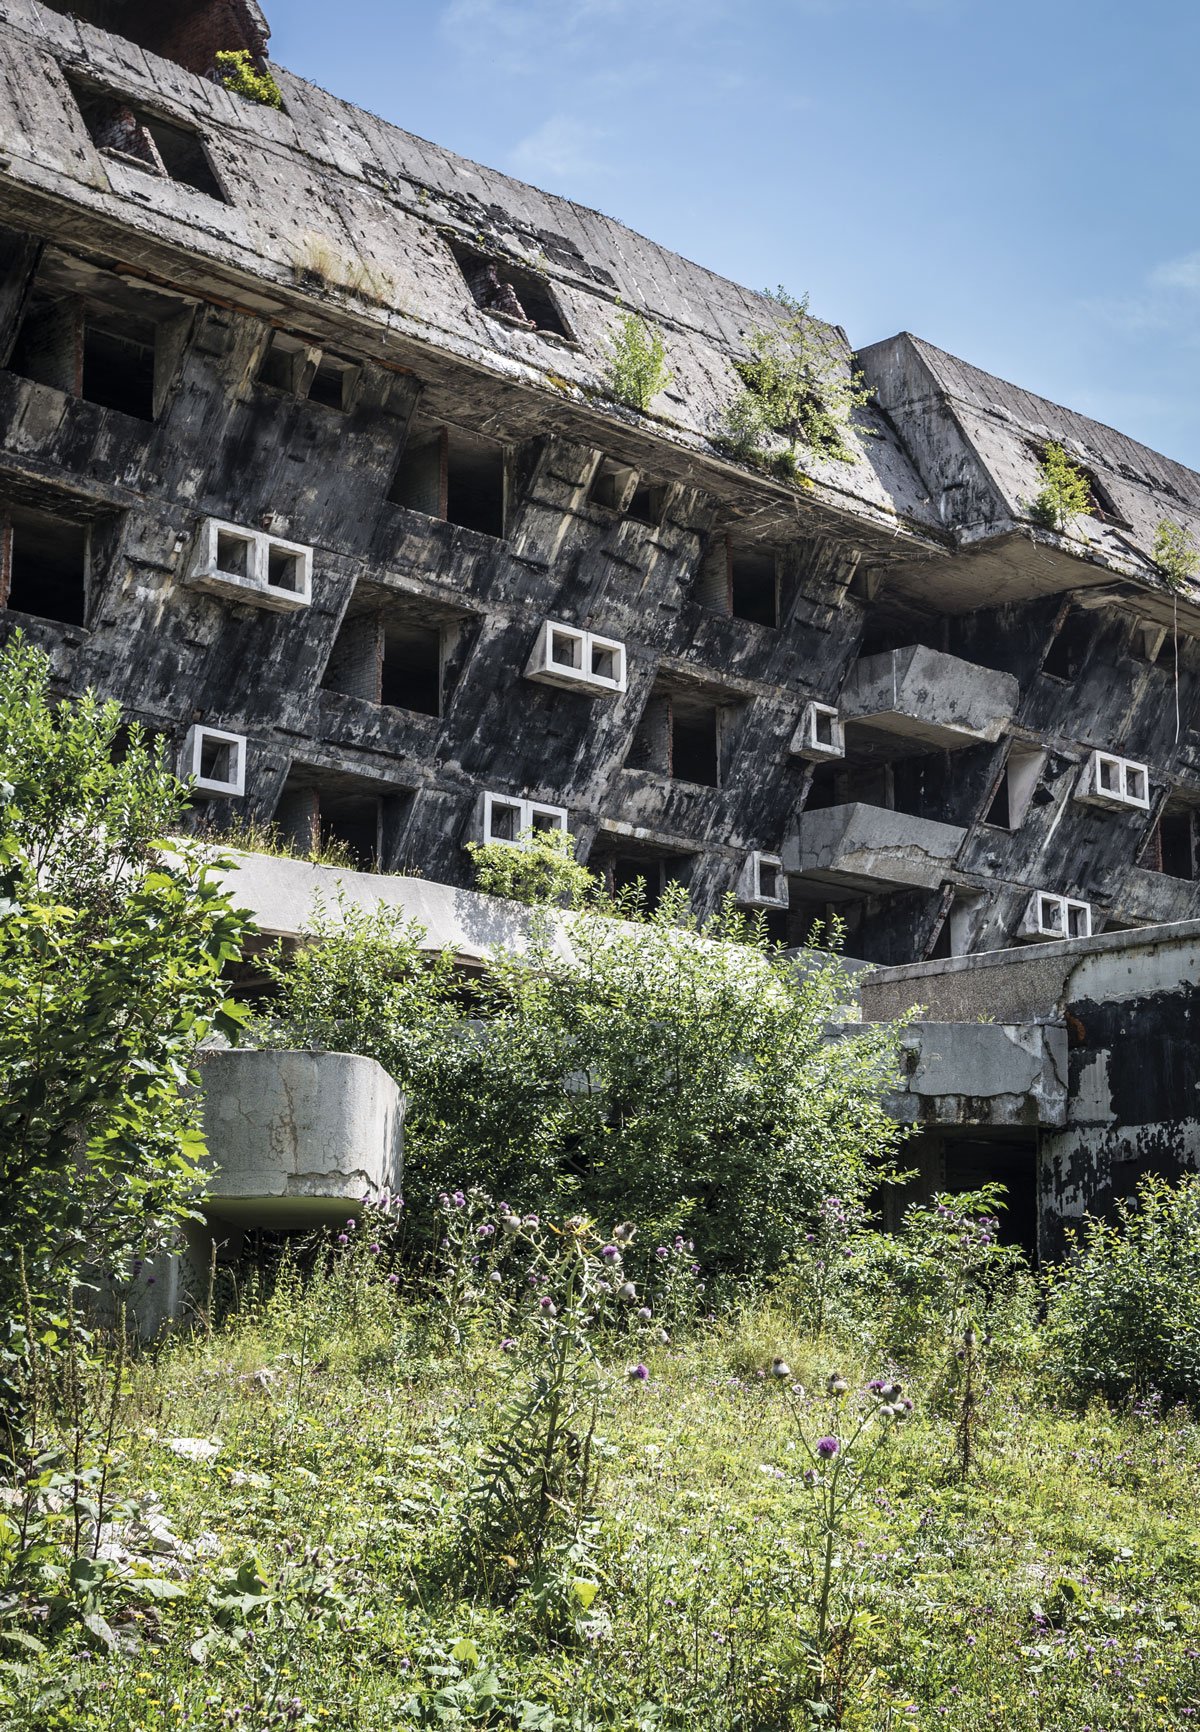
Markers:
point(310, 1547)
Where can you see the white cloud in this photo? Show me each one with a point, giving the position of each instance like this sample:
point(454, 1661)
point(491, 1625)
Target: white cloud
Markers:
point(1181, 273)
point(560, 149)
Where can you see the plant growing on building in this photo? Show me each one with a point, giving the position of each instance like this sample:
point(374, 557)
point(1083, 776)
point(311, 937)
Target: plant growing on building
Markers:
point(1065, 492)
point(799, 386)
point(111, 952)
point(541, 870)
point(1178, 561)
point(237, 72)
point(636, 362)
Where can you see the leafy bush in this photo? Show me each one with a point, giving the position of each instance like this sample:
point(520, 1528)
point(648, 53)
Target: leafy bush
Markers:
point(1175, 554)
point(636, 363)
point(238, 73)
point(799, 387)
point(541, 869)
point(1124, 1311)
point(1065, 492)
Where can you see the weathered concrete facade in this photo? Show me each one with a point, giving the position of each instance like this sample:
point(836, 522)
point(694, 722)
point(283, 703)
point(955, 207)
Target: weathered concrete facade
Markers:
point(373, 545)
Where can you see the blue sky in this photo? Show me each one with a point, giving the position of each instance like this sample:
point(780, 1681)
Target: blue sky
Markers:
point(1016, 180)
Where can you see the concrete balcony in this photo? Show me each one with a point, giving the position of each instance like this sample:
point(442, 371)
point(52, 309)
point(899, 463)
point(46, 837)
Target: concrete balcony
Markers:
point(983, 1075)
point(869, 848)
point(298, 1139)
point(933, 701)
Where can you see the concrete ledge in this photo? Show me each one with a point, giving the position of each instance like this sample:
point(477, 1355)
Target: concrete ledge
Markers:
point(929, 697)
point(871, 847)
point(297, 1137)
point(983, 1075)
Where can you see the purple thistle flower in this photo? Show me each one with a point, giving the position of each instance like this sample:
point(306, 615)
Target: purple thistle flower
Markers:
point(547, 1306)
point(827, 1447)
point(350, 1226)
point(374, 1248)
point(661, 1251)
point(610, 1253)
point(458, 1200)
point(638, 1374)
point(342, 1239)
point(507, 1345)
point(393, 1280)
point(485, 1230)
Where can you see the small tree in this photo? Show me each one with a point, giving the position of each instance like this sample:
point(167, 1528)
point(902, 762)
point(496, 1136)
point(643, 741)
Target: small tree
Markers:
point(800, 387)
point(541, 870)
point(1175, 554)
point(636, 362)
point(1065, 492)
point(111, 951)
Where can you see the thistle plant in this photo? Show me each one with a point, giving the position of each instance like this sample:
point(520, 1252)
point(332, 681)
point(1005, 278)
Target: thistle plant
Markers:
point(843, 1435)
point(1065, 491)
point(636, 363)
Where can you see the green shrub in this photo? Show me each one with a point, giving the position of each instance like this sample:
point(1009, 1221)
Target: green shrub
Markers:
point(799, 387)
point(1175, 554)
point(636, 363)
point(238, 73)
point(110, 976)
point(1065, 492)
point(540, 870)
point(1124, 1311)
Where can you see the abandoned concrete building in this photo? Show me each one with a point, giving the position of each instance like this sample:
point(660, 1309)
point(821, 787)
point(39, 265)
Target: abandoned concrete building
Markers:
point(308, 458)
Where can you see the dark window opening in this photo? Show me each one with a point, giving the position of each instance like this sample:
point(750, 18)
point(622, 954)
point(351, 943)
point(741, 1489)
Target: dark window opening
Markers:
point(282, 364)
point(754, 587)
point(344, 815)
point(1101, 504)
point(146, 141)
point(330, 386)
point(118, 371)
point(218, 762)
point(644, 874)
point(285, 570)
point(1069, 647)
point(510, 291)
point(43, 565)
point(189, 32)
point(458, 476)
point(822, 788)
point(695, 754)
point(412, 669)
point(646, 506)
point(1173, 846)
point(611, 484)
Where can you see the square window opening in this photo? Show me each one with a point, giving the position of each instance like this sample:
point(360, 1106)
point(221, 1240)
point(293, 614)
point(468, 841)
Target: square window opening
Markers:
point(566, 650)
point(504, 824)
point(646, 506)
point(824, 725)
point(604, 663)
point(118, 370)
point(354, 822)
point(1079, 920)
point(285, 571)
point(544, 818)
point(330, 386)
point(1108, 771)
point(770, 879)
point(754, 587)
point(1135, 784)
point(610, 484)
point(235, 554)
point(1069, 648)
point(499, 286)
point(1177, 848)
point(217, 760)
point(475, 484)
point(45, 560)
point(412, 669)
point(183, 156)
point(1050, 914)
point(280, 367)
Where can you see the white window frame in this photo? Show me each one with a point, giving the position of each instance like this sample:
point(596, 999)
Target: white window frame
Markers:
point(806, 742)
point(1058, 917)
point(254, 584)
point(750, 885)
point(545, 666)
point(196, 739)
point(1119, 784)
point(528, 813)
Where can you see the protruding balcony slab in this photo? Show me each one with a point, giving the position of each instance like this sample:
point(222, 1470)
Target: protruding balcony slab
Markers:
point(298, 1137)
point(929, 698)
point(989, 1075)
point(869, 848)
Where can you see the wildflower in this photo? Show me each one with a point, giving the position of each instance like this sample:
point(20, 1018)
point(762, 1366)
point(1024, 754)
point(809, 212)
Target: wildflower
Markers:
point(547, 1306)
point(484, 1230)
point(627, 1291)
point(507, 1345)
point(496, 1278)
point(532, 1221)
point(458, 1200)
point(827, 1447)
point(343, 1239)
point(638, 1374)
point(393, 1280)
point(661, 1251)
point(624, 1232)
point(695, 1268)
point(374, 1248)
point(604, 1287)
point(664, 1338)
point(510, 1222)
point(682, 1244)
point(350, 1226)
point(836, 1383)
point(610, 1253)
point(645, 1313)
point(781, 1369)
